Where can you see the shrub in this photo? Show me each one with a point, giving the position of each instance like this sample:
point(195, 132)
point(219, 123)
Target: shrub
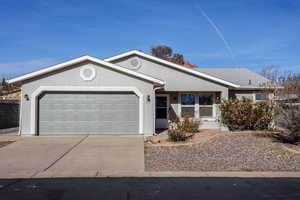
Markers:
point(176, 135)
point(181, 130)
point(289, 121)
point(262, 115)
point(245, 115)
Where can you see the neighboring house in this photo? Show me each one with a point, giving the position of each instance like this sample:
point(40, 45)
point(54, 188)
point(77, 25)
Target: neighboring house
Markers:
point(14, 94)
point(131, 93)
point(188, 64)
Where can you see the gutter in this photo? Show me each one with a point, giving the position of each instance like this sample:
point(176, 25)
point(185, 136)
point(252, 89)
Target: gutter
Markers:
point(20, 116)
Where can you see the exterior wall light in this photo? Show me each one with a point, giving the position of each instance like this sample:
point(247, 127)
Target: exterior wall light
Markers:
point(26, 97)
point(148, 98)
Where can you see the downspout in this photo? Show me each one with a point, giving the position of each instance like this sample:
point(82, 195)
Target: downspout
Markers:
point(20, 115)
point(154, 108)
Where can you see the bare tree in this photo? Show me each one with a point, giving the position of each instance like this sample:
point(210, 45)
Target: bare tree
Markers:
point(286, 89)
point(270, 72)
point(178, 59)
point(166, 53)
point(162, 51)
point(2, 86)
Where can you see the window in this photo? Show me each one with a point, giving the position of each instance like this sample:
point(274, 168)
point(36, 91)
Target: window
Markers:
point(244, 95)
point(187, 105)
point(261, 96)
point(205, 99)
point(206, 111)
point(206, 105)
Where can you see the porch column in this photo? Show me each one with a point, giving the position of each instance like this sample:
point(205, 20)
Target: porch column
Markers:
point(224, 94)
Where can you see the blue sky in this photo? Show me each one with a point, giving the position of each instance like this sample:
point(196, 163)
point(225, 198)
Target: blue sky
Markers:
point(39, 33)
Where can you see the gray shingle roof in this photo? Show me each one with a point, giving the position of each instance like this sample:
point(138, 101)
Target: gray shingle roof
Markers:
point(239, 76)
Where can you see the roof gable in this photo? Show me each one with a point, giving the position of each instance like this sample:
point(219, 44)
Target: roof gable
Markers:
point(82, 59)
point(172, 65)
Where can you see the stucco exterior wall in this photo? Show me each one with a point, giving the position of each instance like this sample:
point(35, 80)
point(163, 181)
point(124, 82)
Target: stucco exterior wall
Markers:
point(175, 80)
point(104, 77)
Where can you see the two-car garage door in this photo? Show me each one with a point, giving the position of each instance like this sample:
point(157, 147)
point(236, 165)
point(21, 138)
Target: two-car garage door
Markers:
point(88, 114)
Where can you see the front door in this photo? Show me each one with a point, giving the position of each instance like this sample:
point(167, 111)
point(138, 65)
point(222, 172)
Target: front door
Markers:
point(161, 111)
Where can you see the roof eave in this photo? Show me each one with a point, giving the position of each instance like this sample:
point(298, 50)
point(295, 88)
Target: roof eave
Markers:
point(255, 88)
point(82, 59)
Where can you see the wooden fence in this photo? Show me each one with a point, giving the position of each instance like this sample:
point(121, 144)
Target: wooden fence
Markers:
point(9, 113)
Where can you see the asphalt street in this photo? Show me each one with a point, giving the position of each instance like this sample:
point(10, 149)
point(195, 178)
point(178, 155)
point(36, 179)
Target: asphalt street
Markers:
point(150, 188)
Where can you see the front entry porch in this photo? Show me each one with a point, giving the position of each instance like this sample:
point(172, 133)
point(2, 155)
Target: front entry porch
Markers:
point(202, 106)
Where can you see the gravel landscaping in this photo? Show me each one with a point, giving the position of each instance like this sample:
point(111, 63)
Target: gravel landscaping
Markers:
point(225, 152)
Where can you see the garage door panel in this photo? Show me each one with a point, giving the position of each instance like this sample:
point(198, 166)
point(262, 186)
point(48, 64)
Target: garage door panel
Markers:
point(81, 114)
point(119, 115)
point(62, 97)
point(87, 106)
point(89, 128)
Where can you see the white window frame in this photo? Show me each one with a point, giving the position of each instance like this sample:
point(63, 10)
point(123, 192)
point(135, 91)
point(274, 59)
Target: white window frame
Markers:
point(207, 106)
point(186, 106)
point(254, 96)
point(197, 106)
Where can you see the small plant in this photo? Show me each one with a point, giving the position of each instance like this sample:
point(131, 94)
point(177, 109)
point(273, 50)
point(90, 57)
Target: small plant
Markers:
point(181, 130)
point(177, 136)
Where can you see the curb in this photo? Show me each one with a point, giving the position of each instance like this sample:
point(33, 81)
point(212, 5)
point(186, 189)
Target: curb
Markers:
point(202, 174)
point(142, 174)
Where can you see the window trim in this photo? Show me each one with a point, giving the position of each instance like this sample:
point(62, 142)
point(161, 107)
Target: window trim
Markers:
point(197, 106)
point(267, 95)
point(190, 105)
point(207, 106)
point(187, 106)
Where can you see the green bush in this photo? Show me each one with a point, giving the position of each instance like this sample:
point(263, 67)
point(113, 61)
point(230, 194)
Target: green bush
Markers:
point(245, 115)
point(181, 130)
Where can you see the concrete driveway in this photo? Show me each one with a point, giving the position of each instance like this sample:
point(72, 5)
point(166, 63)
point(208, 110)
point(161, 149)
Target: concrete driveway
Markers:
point(71, 155)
